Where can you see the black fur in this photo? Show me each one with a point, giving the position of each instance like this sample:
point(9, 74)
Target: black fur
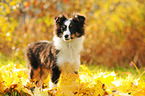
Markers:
point(43, 55)
point(77, 25)
point(59, 25)
point(55, 73)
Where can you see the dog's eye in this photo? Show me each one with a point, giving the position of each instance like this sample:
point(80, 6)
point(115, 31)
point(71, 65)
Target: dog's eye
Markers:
point(64, 26)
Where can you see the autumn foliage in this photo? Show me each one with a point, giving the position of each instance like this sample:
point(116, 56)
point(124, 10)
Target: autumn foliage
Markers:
point(14, 82)
point(114, 36)
point(114, 28)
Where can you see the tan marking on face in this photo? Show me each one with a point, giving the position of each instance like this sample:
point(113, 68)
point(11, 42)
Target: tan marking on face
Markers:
point(77, 34)
point(63, 26)
point(73, 36)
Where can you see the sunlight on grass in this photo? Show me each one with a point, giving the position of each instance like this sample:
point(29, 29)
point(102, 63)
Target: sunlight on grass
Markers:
point(120, 71)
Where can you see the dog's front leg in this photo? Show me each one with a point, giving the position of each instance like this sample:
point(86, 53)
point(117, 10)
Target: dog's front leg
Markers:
point(54, 76)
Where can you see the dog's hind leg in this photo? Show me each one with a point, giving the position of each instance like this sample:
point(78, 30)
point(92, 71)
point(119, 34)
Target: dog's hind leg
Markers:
point(43, 75)
point(34, 74)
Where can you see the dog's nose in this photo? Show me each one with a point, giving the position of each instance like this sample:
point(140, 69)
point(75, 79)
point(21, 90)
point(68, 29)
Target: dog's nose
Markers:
point(66, 36)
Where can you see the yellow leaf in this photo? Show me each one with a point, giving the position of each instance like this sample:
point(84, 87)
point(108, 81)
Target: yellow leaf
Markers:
point(67, 84)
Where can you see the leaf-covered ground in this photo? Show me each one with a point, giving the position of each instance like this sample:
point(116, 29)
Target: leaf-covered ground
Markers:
point(14, 82)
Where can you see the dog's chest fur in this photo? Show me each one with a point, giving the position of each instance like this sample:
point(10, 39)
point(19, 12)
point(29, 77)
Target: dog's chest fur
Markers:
point(68, 58)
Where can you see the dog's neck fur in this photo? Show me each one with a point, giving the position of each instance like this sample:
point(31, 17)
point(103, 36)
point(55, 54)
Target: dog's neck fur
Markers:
point(76, 44)
point(69, 56)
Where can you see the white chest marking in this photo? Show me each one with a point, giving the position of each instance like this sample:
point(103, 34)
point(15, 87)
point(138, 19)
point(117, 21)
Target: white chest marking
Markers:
point(68, 59)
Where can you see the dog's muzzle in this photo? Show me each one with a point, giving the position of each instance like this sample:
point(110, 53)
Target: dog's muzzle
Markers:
point(66, 37)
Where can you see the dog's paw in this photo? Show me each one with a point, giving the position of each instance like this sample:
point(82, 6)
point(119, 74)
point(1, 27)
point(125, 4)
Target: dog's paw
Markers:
point(32, 89)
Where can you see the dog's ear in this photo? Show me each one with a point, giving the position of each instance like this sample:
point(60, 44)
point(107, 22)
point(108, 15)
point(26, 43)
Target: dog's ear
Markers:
point(60, 19)
point(79, 18)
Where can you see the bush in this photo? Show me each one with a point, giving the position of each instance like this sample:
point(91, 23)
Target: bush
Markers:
point(114, 28)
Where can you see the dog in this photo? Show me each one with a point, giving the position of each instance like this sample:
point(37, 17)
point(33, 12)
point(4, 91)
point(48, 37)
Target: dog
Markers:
point(60, 55)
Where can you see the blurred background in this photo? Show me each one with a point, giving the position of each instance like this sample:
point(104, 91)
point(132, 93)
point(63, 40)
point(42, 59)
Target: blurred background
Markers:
point(115, 29)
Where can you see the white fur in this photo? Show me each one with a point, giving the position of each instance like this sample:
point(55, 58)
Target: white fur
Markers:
point(67, 32)
point(68, 59)
point(52, 85)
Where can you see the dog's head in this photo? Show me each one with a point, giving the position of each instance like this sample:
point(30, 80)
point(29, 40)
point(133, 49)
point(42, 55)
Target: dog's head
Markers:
point(69, 29)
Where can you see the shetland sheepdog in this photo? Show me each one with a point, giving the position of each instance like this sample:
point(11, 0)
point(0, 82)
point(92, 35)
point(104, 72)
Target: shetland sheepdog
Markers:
point(60, 55)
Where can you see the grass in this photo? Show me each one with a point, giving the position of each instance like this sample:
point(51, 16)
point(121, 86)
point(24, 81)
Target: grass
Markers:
point(8, 61)
point(120, 71)
point(4, 60)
